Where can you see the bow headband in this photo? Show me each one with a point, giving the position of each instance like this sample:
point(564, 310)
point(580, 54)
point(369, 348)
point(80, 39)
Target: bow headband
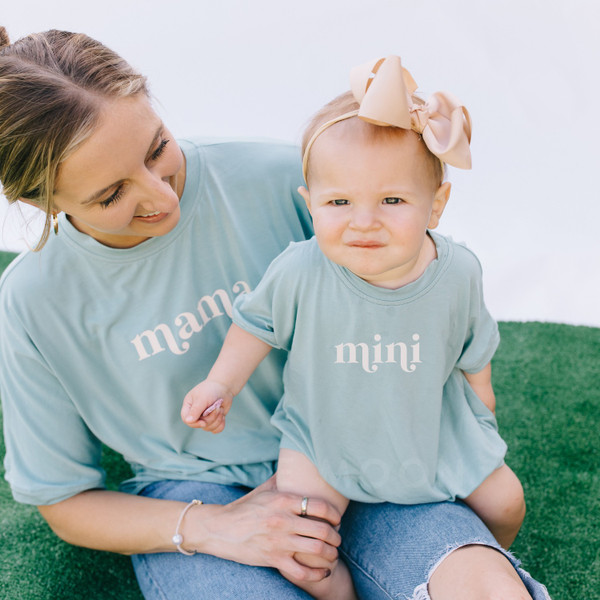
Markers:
point(384, 89)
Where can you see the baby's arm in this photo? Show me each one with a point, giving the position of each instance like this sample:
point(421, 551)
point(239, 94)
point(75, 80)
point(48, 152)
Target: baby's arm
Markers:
point(240, 355)
point(481, 383)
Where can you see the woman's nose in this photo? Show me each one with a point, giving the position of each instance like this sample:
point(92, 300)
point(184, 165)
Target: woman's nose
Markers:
point(157, 195)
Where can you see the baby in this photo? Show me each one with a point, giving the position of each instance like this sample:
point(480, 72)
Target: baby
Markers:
point(388, 394)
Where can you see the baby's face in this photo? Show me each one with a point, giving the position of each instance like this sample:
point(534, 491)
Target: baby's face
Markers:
point(372, 201)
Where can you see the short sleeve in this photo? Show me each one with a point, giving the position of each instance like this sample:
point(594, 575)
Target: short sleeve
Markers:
point(269, 311)
point(482, 336)
point(51, 454)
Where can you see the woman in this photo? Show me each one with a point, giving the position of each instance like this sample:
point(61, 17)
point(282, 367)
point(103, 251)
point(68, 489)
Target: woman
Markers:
point(125, 309)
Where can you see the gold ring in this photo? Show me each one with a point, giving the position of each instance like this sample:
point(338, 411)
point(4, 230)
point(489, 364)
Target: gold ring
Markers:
point(303, 506)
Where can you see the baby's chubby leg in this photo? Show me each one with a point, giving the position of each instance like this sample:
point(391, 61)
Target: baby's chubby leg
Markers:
point(500, 504)
point(298, 475)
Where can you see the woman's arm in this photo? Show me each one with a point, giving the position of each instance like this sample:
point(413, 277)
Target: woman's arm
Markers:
point(482, 385)
point(262, 528)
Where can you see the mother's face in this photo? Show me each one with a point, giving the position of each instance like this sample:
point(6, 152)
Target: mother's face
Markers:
point(123, 184)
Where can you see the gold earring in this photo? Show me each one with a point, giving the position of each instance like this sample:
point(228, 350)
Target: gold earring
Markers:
point(55, 223)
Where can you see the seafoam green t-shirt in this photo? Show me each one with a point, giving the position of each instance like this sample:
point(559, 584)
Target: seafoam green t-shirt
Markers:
point(100, 344)
point(375, 394)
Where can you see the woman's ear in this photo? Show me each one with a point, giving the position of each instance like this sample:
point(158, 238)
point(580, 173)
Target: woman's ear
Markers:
point(306, 195)
point(55, 212)
point(440, 200)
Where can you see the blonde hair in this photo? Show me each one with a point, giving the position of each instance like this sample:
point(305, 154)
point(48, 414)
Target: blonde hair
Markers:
point(52, 87)
point(346, 103)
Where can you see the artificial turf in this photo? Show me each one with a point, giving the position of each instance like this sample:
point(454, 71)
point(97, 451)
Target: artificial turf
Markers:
point(547, 383)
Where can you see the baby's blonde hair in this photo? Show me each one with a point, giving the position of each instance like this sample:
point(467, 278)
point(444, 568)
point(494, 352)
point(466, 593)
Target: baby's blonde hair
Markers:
point(52, 88)
point(346, 103)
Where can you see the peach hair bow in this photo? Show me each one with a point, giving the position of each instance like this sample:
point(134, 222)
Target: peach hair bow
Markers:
point(384, 89)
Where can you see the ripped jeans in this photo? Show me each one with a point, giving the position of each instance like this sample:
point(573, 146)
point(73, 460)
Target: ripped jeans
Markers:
point(391, 551)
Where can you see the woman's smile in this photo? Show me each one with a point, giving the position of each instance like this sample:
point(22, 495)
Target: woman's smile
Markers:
point(154, 217)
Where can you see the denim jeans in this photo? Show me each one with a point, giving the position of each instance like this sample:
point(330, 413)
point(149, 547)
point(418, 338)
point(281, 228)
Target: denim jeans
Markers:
point(391, 551)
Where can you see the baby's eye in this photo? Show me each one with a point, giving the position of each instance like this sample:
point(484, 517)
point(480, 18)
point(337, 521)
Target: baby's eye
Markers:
point(340, 202)
point(392, 200)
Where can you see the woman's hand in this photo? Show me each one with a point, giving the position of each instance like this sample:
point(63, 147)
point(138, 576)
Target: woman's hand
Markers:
point(264, 528)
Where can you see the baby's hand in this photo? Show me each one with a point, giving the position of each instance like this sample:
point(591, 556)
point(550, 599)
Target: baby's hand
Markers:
point(206, 405)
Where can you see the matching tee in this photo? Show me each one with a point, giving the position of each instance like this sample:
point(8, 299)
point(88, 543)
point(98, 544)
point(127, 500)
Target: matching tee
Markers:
point(101, 344)
point(374, 394)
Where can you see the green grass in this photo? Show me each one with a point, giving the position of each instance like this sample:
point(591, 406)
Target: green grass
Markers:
point(5, 258)
point(36, 565)
point(547, 382)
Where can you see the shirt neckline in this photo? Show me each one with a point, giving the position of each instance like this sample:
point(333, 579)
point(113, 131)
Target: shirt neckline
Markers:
point(407, 293)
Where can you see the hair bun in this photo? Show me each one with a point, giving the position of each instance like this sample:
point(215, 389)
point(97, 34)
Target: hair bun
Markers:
point(4, 39)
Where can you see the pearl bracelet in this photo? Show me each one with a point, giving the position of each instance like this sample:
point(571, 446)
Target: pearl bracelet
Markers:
point(178, 538)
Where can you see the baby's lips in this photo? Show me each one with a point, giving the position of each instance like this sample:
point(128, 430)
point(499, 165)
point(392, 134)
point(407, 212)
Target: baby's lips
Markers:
point(212, 407)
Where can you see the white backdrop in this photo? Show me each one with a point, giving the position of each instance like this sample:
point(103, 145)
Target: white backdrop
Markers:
point(526, 69)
